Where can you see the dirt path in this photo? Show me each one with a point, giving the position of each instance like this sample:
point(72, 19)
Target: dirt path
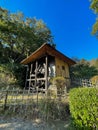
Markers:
point(20, 124)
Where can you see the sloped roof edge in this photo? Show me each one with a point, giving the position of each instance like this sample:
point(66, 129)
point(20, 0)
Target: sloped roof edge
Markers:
point(47, 49)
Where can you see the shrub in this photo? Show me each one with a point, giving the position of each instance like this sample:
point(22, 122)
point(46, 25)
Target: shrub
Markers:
point(84, 108)
point(12, 75)
point(94, 80)
point(6, 77)
point(60, 84)
point(19, 72)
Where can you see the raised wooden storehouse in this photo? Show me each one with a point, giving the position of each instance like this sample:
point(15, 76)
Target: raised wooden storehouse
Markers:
point(45, 63)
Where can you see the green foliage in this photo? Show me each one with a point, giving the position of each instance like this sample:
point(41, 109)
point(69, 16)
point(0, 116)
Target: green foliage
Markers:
point(83, 69)
point(95, 80)
point(84, 108)
point(21, 35)
point(60, 84)
point(19, 73)
point(94, 7)
point(12, 75)
point(95, 29)
point(94, 62)
point(6, 77)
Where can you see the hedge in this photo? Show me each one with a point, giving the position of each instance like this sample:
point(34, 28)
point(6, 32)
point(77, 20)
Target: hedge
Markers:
point(84, 108)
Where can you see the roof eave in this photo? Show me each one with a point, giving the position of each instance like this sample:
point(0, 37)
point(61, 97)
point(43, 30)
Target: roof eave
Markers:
point(46, 48)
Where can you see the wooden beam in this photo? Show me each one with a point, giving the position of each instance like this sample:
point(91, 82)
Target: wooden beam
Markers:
point(31, 68)
point(30, 75)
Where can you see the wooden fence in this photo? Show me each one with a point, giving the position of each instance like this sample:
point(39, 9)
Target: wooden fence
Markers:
point(29, 104)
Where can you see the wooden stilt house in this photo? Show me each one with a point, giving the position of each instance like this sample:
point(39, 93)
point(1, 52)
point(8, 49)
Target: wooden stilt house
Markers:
point(43, 64)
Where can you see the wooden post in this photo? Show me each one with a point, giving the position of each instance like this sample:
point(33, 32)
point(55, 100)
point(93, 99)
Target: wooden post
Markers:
point(30, 76)
point(36, 86)
point(36, 73)
point(5, 102)
point(46, 74)
point(31, 68)
point(26, 76)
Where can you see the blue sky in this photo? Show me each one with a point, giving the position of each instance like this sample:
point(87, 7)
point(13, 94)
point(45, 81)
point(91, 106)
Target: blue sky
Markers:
point(69, 21)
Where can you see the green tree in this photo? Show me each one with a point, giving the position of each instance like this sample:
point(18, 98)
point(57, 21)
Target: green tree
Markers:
point(83, 69)
point(94, 62)
point(22, 35)
point(94, 7)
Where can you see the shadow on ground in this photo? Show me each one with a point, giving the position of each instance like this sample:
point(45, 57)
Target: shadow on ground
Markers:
point(21, 124)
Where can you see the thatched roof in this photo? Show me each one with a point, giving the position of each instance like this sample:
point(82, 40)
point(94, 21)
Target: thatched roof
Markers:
point(47, 49)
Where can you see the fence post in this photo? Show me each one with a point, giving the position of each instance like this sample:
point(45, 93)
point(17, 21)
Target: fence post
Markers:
point(5, 102)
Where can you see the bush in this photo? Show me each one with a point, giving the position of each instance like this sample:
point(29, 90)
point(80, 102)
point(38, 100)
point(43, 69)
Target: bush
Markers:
point(94, 80)
point(60, 83)
point(84, 108)
point(12, 75)
point(6, 77)
point(19, 72)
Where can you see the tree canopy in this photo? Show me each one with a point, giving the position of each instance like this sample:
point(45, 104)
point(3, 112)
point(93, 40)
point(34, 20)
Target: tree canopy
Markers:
point(94, 7)
point(84, 69)
point(20, 35)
